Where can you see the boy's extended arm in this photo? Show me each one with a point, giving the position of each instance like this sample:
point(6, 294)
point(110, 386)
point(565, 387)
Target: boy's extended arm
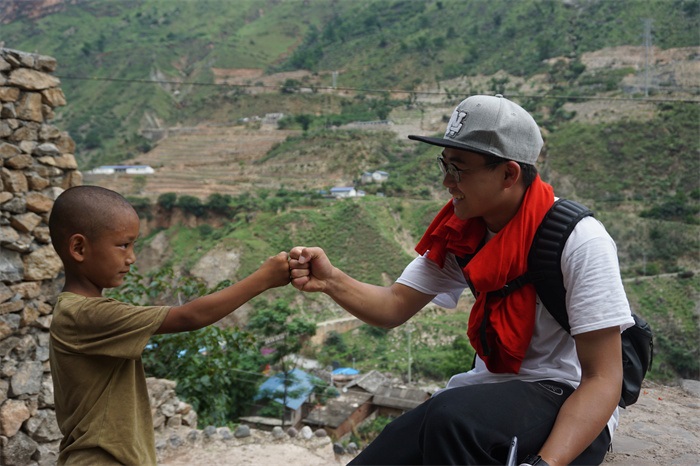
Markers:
point(586, 412)
point(208, 309)
point(379, 306)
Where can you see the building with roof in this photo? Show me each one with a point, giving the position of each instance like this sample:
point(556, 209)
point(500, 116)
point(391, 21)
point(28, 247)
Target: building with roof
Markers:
point(377, 176)
point(346, 191)
point(389, 400)
point(340, 415)
point(369, 382)
point(125, 169)
point(394, 401)
point(297, 395)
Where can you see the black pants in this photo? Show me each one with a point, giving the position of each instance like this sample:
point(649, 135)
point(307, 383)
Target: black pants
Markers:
point(475, 424)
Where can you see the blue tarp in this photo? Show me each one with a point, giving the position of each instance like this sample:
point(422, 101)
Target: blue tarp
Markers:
point(345, 371)
point(300, 387)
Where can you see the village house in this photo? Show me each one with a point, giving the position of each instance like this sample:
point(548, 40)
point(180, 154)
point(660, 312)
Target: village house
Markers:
point(342, 414)
point(364, 397)
point(394, 401)
point(374, 177)
point(389, 400)
point(343, 191)
point(298, 399)
point(119, 169)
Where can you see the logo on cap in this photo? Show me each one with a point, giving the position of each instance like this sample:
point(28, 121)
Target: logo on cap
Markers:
point(455, 124)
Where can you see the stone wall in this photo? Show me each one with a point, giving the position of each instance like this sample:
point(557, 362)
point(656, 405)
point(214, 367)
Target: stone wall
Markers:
point(36, 165)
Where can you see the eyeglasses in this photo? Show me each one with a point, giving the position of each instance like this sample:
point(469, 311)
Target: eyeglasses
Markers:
point(447, 168)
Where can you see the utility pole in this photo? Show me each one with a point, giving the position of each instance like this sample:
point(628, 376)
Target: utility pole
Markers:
point(647, 54)
point(408, 332)
point(335, 79)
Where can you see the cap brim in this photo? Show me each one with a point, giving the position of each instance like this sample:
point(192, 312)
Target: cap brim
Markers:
point(442, 142)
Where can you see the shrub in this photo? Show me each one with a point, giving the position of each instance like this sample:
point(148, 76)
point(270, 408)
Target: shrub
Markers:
point(191, 205)
point(167, 201)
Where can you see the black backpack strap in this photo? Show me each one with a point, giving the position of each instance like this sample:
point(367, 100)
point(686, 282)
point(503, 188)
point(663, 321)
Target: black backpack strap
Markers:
point(544, 258)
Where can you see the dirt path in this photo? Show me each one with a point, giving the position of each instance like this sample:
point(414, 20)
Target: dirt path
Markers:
point(662, 428)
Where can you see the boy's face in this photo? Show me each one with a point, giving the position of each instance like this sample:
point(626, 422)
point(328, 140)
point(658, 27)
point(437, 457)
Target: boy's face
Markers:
point(108, 257)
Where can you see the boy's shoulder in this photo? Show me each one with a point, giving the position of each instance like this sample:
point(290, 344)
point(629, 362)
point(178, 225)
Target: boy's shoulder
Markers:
point(68, 300)
point(84, 324)
point(76, 309)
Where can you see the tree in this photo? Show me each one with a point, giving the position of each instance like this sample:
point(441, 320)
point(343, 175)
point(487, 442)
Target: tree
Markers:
point(191, 205)
point(285, 336)
point(167, 201)
point(220, 204)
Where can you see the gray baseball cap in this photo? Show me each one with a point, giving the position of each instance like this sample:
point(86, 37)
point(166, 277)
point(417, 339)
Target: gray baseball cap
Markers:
point(491, 125)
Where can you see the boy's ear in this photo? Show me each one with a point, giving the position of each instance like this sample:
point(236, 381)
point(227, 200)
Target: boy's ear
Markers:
point(76, 247)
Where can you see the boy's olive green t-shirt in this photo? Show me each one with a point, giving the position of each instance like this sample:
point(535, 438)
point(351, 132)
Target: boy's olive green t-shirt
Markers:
point(102, 404)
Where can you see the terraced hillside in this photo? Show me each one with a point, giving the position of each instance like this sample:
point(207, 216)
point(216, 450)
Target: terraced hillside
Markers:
point(227, 159)
point(206, 159)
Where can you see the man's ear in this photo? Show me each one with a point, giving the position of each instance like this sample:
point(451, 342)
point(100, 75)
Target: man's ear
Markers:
point(511, 175)
point(76, 247)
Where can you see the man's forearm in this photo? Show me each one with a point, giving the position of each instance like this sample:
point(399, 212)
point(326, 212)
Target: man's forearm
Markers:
point(375, 305)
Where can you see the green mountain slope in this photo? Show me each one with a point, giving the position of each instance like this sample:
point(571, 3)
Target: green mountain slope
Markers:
point(110, 51)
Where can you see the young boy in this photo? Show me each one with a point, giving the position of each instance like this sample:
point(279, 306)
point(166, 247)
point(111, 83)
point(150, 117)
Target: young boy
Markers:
point(102, 404)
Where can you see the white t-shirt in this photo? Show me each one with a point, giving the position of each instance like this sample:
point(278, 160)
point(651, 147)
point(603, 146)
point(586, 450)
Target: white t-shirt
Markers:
point(595, 300)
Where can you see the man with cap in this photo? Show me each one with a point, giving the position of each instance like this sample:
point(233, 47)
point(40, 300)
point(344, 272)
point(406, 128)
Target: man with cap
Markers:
point(557, 392)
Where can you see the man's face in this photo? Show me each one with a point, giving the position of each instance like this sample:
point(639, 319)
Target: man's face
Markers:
point(477, 192)
point(109, 256)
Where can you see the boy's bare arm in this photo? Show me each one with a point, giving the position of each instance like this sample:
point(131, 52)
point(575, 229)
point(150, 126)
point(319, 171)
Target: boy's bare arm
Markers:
point(208, 309)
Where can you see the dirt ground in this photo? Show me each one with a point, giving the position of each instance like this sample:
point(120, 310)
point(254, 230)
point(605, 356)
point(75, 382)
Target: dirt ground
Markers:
point(662, 428)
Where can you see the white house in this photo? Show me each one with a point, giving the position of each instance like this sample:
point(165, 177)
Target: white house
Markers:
point(127, 169)
point(374, 177)
point(346, 191)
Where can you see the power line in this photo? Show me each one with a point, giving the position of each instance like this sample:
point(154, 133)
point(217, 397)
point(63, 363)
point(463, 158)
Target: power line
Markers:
point(331, 89)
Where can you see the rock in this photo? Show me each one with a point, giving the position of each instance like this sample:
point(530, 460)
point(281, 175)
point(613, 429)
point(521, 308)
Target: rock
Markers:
point(209, 432)
point(277, 433)
point(54, 97)
point(292, 432)
point(306, 433)
point(25, 222)
point(29, 107)
point(242, 431)
point(17, 450)
point(691, 387)
point(38, 203)
point(42, 264)
point(338, 449)
point(27, 379)
point(11, 267)
point(32, 80)
point(46, 454)
point(12, 414)
point(175, 440)
point(43, 427)
point(225, 433)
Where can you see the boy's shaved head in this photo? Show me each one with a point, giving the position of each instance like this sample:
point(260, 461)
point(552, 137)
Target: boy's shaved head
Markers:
point(85, 210)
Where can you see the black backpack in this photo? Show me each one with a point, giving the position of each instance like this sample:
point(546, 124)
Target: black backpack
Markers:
point(544, 271)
